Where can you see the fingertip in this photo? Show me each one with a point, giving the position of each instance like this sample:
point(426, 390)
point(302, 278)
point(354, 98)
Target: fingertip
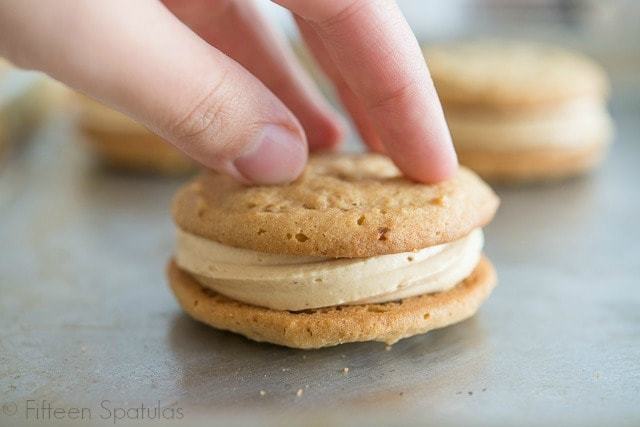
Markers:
point(277, 157)
point(434, 164)
point(445, 169)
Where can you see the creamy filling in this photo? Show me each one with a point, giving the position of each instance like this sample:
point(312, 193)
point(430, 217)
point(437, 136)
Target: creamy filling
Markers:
point(570, 125)
point(288, 282)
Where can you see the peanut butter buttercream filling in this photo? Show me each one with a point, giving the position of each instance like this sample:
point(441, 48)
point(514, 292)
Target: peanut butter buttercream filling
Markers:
point(290, 282)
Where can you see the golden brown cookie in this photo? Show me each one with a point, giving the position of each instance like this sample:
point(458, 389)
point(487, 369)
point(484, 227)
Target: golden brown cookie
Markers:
point(342, 206)
point(499, 74)
point(124, 144)
point(519, 111)
point(533, 165)
point(143, 152)
point(387, 322)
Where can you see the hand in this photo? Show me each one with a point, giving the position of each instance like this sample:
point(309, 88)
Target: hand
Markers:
point(214, 79)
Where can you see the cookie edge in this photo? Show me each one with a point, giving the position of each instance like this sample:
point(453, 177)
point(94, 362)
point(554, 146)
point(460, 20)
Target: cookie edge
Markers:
point(535, 165)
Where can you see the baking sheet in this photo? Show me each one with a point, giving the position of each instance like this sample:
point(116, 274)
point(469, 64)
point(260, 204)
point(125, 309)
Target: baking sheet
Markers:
point(86, 316)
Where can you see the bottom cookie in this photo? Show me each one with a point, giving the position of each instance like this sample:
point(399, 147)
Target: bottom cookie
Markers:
point(140, 152)
point(532, 165)
point(386, 322)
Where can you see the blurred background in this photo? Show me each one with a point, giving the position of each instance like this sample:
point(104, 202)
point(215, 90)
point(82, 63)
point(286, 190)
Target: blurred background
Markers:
point(85, 313)
point(606, 30)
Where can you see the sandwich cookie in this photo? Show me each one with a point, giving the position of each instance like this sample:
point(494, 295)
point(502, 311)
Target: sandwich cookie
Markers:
point(351, 251)
point(522, 112)
point(121, 143)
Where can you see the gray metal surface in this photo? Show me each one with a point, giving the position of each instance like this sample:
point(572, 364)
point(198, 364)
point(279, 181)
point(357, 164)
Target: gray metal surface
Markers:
point(86, 316)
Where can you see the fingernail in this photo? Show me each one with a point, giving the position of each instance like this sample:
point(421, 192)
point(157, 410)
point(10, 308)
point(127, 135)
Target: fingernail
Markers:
point(278, 157)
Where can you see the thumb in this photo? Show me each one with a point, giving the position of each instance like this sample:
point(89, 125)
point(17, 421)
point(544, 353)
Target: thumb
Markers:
point(140, 59)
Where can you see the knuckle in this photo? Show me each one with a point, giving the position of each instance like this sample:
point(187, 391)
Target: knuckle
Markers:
point(207, 115)
point(345, 13)
point(399, 94)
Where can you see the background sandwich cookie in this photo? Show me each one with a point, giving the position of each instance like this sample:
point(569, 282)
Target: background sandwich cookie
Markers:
point(520, 111)
point(121, 143)
point(351, 251)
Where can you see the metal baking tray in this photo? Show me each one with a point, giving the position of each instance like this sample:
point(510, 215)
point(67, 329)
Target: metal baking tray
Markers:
point(87, 320)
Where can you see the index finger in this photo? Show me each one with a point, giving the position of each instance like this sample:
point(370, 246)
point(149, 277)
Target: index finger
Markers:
point(378, 56)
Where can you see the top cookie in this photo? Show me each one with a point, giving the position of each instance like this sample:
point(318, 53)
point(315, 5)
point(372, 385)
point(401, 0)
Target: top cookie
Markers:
point(508, 75)
point(342, 206)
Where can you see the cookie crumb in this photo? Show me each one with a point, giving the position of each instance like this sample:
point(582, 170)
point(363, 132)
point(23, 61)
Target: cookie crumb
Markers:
point(382, 233)
point(345, 371)
point(387, 348)
point(263, 393)
point(300, 392)
point(439, 201)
